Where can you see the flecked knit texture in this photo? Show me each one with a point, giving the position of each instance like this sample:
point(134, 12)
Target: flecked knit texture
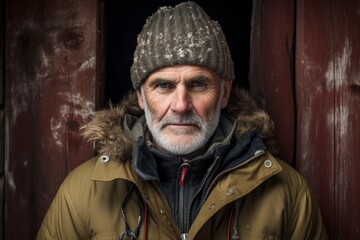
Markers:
point(183, 34)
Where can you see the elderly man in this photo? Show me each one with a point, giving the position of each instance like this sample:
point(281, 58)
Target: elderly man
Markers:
point(184, 156)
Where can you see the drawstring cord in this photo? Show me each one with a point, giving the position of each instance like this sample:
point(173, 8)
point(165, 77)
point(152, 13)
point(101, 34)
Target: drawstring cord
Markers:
point(233, 224)
point(229, 224)
point(127, 233)
point(145, 220)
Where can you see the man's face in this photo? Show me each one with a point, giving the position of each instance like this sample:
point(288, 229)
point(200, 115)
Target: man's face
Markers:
point(182, 106)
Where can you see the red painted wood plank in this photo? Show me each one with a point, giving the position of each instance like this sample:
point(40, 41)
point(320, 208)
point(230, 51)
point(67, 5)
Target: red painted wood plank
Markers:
point(315, 99)
point(328, 74)
point(271, 73)
point(344, 69)
point(52, 85)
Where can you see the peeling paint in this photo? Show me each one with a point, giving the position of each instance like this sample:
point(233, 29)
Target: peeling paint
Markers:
point(83, 107)
point(337, 69)
point(38, 68)
point(55, 128)
point(8, 173)
point(45, 52)
point(10, 180)
point(342, 120)
point(44, 65)
point(336, 78)
point(336, 75)
point(76, 105)
point(88, 64)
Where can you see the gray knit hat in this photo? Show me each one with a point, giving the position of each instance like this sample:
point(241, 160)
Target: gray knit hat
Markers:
point(183, 34)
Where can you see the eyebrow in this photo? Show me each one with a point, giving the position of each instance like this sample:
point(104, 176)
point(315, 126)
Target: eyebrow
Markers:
point(158, 80)
point(199, 78)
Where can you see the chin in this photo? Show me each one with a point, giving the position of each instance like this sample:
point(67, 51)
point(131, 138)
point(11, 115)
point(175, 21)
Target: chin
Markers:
point(182, 146)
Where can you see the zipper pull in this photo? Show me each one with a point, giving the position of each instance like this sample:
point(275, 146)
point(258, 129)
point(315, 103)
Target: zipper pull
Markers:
point(184, 236)
point(184, 167)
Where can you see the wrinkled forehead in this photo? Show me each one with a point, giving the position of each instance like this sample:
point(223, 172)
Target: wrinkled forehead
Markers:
point(184, 72)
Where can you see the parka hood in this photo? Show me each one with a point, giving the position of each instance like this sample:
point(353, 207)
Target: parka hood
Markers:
point(105, 130)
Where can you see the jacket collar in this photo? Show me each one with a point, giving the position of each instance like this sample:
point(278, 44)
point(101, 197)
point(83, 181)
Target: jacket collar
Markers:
point(108, 168)
point(257, 168)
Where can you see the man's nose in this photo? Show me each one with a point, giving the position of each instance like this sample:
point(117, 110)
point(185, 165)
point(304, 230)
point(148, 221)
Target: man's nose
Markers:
point(182, 100)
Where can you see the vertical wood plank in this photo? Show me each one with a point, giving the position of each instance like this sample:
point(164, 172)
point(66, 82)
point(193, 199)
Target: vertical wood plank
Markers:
point(271, 73)
point(328, 95)
point(2, 114)
point(2, 52)
point(52, 85)
point(315, 102)
point(344, 70)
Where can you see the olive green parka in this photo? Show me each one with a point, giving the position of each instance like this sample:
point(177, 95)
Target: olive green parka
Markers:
point(261, 198)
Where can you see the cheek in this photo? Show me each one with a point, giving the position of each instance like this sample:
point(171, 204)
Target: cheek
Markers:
point(157, 105)
point(205, 107)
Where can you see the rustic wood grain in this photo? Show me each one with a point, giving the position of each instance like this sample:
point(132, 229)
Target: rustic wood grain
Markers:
point(52, 85)
point(344, 69)
point(327, 83)
point(271, 73)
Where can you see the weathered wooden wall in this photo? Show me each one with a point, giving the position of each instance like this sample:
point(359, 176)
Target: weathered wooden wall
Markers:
point(52, 70)
point(2, 114)
point(305, 70)
point(271, 73)
point(328, 107)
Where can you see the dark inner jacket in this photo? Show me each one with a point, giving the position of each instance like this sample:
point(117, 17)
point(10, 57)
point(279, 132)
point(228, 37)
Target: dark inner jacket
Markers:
point(241, 131)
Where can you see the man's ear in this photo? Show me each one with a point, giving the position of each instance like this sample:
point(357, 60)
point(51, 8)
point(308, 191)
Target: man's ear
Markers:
point(140, 99)
point(227, 92)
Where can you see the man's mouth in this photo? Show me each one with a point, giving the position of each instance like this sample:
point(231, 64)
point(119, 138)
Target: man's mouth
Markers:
point(181, 122)
point(181, 125)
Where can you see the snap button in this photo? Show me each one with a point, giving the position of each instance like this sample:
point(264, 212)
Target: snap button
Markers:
point(268, 163)
point(212, 206)
point(229, 192)
point(104, 158)
point(162, 212)
point(259, 152)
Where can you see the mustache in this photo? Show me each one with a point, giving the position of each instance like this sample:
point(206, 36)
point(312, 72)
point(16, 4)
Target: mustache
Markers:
point(188, 118)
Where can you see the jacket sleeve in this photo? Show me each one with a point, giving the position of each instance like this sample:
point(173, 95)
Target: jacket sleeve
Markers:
point(61, 220)
point(306, 218)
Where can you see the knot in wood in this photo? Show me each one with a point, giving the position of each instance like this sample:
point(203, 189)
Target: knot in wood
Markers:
point(73, 38)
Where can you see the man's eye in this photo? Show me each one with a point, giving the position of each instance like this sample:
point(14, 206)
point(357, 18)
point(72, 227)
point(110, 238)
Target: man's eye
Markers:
point(164, 85)
point(198, 84)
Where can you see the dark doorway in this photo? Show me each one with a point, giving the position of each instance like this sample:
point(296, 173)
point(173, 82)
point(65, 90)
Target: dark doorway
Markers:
point(123, 20)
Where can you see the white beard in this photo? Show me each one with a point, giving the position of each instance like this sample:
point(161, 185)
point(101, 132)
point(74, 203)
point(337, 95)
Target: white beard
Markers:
point(173, 144)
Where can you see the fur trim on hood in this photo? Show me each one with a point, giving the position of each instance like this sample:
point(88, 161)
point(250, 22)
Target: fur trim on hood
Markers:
point(105, 129)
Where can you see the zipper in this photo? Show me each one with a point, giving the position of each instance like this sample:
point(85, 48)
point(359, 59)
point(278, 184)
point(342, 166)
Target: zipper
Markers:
point(202, 185)
point(184, 236)
point(183, 170)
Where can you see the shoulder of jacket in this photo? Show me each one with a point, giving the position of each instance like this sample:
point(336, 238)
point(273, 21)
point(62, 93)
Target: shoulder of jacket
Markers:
point(292, 175)
point(80, 175)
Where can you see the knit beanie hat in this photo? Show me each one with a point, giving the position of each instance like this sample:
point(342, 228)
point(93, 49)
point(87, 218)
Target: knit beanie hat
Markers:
point(183, 34)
